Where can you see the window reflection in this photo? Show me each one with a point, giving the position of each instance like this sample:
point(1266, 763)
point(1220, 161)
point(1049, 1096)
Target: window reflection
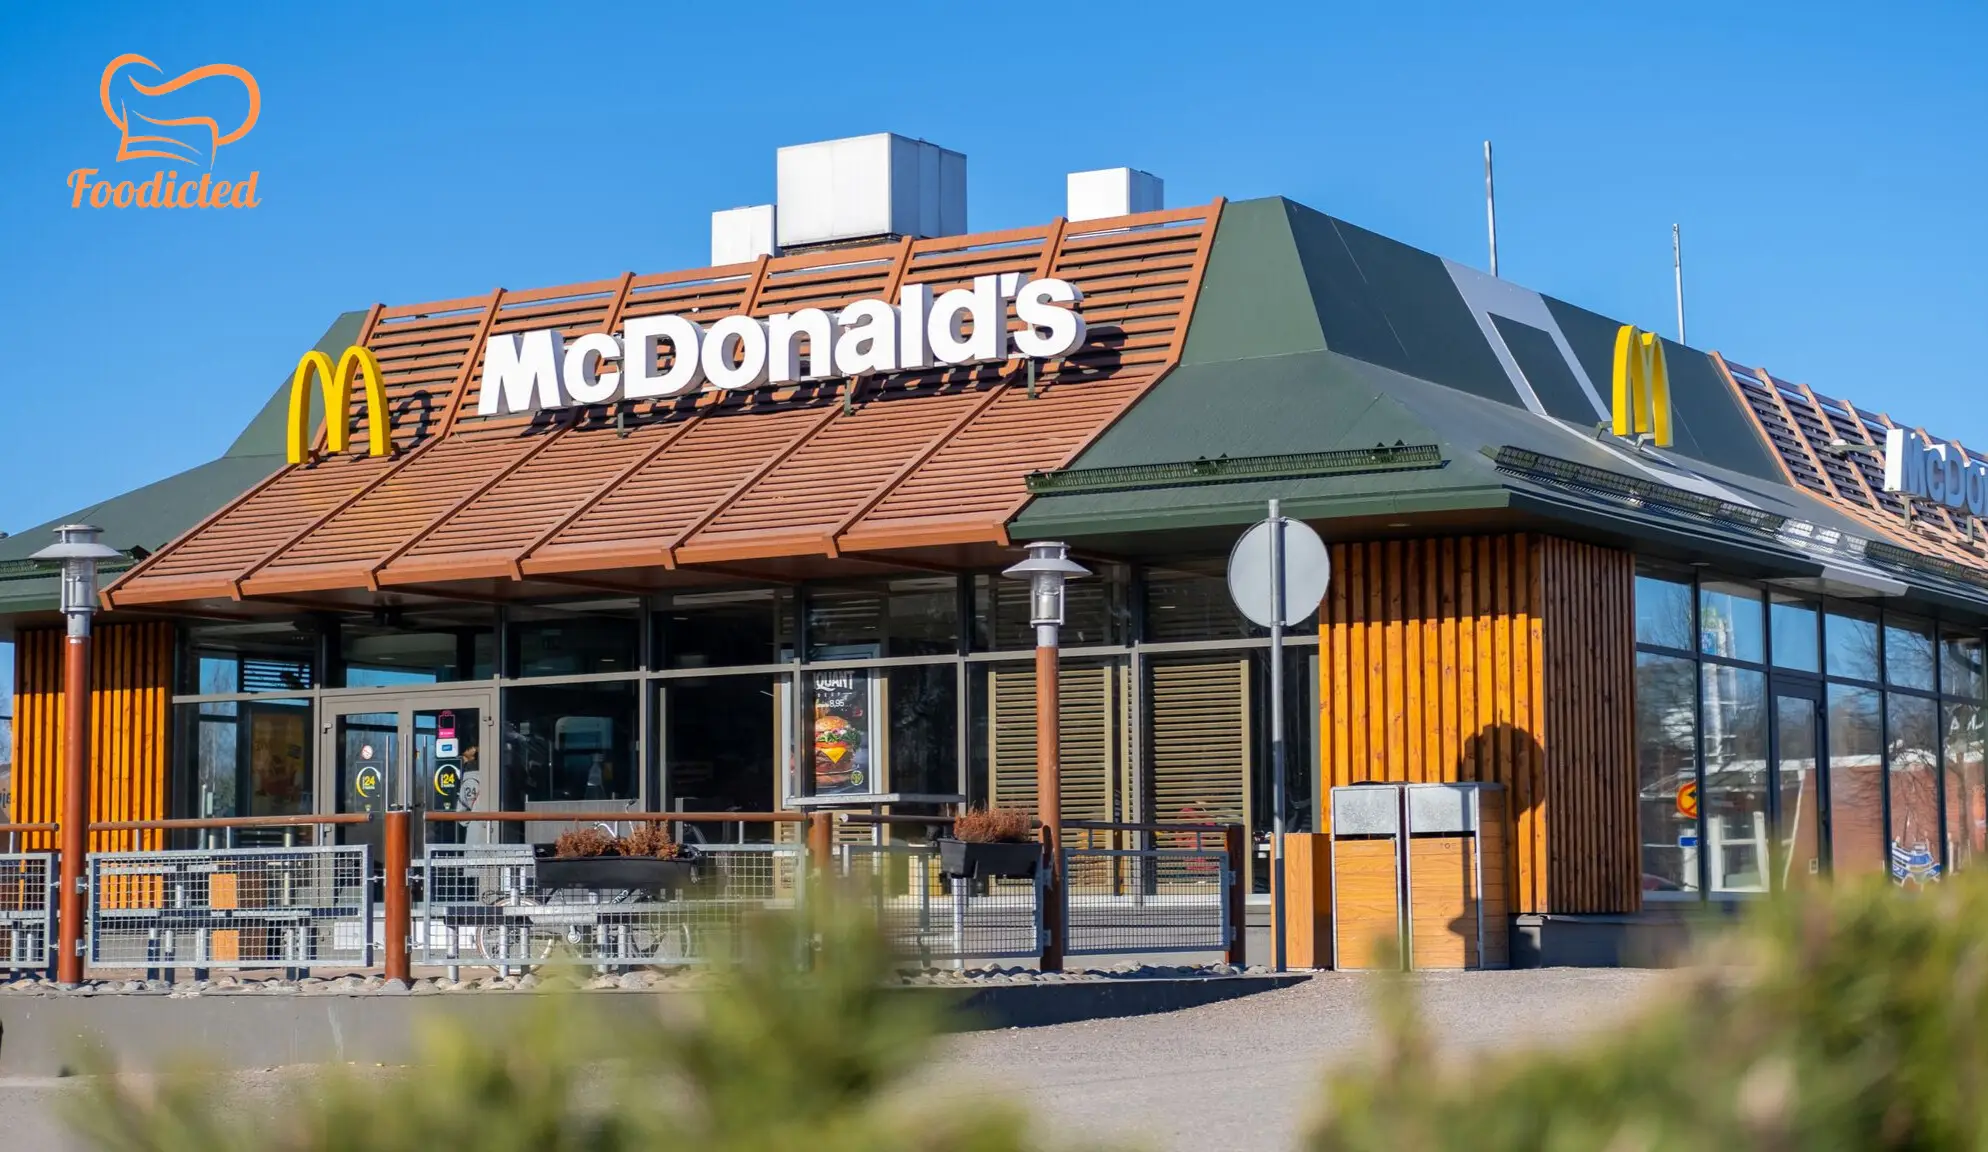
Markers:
point(1730, 621)
point(1850, 644)
point(1960, 664)
point(1908, 653)
point(1967, 805)
point(1856, 781)
point(1666, 761)
point(1799, 805)
point(570, 747)
point(1793, 624)
point(1912, 772)
point(1735, 792)
point(1663, 613)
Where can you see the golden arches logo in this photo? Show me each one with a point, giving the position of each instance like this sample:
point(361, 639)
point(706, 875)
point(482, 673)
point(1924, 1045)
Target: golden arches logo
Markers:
point(132, 147)
point(356, 365)
point(1642, 386)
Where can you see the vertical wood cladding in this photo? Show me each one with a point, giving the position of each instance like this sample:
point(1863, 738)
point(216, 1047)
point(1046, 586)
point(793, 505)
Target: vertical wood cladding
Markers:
point(1494, 658)
point(130, 685)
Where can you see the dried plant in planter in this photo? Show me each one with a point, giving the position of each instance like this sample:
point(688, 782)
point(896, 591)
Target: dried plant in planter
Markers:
point(581, 843)
point(994, 826)
point(651, 840)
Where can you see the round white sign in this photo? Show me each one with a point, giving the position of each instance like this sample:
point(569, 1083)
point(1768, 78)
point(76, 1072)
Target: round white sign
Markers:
point(1306, 571)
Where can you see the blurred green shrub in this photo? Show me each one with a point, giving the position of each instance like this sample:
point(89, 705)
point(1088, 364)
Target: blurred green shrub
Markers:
point(1853, 1017)
point(775, 1056)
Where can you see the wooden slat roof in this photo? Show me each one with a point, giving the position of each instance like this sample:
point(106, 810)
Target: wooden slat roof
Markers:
point(909, 460)
point(1800, 425)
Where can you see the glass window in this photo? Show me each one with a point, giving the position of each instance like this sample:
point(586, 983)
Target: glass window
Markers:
point(722, 749)
point(1798, 730)
point(1666, 763)
point(1794, 624)
point(244, 758)
point(721, 629)
point(1850, 644)
point(918, 616)
point(1908, 653)
point(1191, 601)
point(1095, 611)
point(884, 730)
point(1730, 621)
point(1912, 772)
point(1967, 803)
point(570, 747)
point(430, 648)
point(1856, 782)
point(1734, 796)
point(1663, 612)
point(1960, 664)
point(256, 656)
point(1094, 711)
point(579, 639)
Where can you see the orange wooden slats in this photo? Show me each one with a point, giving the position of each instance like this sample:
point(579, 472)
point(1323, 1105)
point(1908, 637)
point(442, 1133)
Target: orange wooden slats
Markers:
point(1504, 659)
point(130, 689)
point(929, 457)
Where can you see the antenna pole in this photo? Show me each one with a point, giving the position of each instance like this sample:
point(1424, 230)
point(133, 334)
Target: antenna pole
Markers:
point(1677, 273)
point(1490, 209)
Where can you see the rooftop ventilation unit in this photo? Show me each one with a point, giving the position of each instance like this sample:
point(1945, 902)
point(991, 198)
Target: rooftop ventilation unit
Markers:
point(861, 188)
point(1107, 192)
point(739, 235)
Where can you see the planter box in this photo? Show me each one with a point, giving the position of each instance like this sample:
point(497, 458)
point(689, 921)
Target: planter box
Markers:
point(616, 874)
point(960, 858)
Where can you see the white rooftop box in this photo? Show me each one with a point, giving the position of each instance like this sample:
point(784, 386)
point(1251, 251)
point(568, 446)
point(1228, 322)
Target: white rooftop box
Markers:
point(862, 186)
point(742, 234)
point(1108, 192)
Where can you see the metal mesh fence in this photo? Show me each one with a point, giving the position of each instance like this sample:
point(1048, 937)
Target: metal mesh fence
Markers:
point(929, 915)
point(1153, 900)
point(27, 908)
point(232, 908)
point(495, 905)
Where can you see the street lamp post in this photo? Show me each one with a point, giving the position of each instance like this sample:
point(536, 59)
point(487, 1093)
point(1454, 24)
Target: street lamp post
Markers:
point(77, 548)
point(1047, 568)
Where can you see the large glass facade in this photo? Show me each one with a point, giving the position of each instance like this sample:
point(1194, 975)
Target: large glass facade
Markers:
point(1781, 736)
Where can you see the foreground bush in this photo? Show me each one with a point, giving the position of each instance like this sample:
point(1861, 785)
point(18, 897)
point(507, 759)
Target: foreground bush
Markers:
point(1855, 1018)
point(774, 1058)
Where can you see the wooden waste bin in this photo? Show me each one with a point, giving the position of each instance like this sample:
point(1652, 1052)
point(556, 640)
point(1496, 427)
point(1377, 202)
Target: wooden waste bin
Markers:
point(1454, 873)
point(1366, 876)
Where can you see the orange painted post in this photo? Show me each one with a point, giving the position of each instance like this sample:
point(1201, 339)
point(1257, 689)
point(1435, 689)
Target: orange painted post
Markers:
point(1233, 842)
point(398, 921)
point(1049, 803)
point(75, 805)
point(821, 844)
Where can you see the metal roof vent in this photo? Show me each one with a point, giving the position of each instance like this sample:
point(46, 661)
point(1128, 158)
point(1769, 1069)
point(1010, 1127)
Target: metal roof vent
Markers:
point(874, 187)
point(1107, 192)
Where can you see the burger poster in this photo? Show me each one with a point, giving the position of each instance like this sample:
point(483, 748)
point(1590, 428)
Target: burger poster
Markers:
point(842, 743)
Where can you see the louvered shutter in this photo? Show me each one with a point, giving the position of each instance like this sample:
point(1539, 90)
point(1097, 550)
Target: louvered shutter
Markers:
point(1092, 747)
point(1200, 743)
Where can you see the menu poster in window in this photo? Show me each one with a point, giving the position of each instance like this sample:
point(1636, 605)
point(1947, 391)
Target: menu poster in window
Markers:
point(842, 733)
point(277, 771)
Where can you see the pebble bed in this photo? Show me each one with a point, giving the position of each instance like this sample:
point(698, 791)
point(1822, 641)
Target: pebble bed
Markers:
point(637, 980)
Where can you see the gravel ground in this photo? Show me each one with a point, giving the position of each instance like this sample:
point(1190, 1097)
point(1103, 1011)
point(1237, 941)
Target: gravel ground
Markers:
point(1240, 1075)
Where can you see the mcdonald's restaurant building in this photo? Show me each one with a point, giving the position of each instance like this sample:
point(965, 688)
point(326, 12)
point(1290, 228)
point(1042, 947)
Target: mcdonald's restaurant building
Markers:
point(730, 538)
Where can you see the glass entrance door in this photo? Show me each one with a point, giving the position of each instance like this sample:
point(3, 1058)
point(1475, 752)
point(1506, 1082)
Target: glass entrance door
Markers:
point(1799, 833)
point(419, 753)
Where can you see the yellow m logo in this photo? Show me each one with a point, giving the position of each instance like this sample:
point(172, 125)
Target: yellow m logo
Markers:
point(1642, 386)
point(355, 366)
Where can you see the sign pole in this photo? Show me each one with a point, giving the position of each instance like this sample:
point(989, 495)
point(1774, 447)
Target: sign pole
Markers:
point(1277, 731)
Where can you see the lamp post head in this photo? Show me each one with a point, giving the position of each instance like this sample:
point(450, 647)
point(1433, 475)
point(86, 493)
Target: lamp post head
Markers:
point(77, 548)
point(1047, 568)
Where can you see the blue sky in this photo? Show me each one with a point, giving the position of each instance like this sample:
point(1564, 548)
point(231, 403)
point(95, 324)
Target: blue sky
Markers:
point(1826, 165)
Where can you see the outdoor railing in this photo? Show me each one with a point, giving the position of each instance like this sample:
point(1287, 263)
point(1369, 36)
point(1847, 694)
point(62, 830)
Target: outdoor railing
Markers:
point(300, 901)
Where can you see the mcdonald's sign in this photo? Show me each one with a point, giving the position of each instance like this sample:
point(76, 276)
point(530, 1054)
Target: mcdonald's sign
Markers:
point(356, 366)
point(1642, 386)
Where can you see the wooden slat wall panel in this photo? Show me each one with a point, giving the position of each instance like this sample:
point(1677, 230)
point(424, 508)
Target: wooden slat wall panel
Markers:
point(1494, 658)
point(130, 686)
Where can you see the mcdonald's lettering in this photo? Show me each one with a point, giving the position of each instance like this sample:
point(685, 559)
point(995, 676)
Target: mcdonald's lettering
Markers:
point(356, 366)
point(1642, 386)
point(1940, 473)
